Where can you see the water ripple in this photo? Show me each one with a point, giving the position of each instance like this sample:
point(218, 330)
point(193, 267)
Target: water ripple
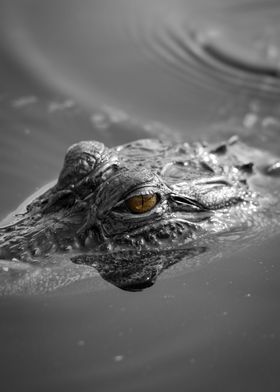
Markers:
point(216, 58)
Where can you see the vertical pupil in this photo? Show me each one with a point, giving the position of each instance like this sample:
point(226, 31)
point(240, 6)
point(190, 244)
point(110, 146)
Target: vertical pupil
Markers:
point(141, 203)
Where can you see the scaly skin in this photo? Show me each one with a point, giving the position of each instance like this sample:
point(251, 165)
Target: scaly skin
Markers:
point(201, 191)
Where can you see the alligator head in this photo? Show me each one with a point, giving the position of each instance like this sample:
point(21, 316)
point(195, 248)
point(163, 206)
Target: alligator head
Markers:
point(125, 209)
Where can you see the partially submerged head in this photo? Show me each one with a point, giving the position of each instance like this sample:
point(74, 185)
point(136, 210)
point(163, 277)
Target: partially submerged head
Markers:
point(146, 196)
point(114, 199)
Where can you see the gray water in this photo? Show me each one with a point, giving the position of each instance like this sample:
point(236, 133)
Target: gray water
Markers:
point(114, 71)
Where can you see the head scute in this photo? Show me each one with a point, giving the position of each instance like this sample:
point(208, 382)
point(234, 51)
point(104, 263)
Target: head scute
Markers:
point(81, 158)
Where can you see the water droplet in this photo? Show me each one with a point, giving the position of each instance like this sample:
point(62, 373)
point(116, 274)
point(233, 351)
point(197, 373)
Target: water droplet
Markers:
point(80, 343)
point(24, 101)
point(250, 120)
point(270, 122)
point(37, 252)
point(56, 106)
point(100, 121)
point(118, 358)
point(273, 169)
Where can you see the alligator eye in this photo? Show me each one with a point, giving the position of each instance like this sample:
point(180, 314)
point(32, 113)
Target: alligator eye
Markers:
point(141, 203)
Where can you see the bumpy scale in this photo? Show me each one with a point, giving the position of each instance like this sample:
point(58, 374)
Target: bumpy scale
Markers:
point(143, 196)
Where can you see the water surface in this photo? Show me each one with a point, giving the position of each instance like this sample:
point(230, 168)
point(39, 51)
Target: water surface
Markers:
point(116, 70)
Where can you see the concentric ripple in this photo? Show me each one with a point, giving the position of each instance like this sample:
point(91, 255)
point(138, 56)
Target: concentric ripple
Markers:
point(238, 50)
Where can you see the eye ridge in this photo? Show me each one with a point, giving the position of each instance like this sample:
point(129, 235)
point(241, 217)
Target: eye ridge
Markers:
point(139, 204)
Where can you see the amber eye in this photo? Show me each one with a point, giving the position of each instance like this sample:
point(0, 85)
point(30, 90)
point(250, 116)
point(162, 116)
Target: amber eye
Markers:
point(141, 203)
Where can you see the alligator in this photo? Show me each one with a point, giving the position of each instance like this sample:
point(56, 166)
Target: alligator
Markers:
point(133, 210)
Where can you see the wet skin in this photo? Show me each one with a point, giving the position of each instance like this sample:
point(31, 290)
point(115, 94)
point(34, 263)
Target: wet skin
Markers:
point(133, 210)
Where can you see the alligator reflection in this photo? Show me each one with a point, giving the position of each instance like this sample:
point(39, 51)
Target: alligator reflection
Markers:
point(135, 271)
